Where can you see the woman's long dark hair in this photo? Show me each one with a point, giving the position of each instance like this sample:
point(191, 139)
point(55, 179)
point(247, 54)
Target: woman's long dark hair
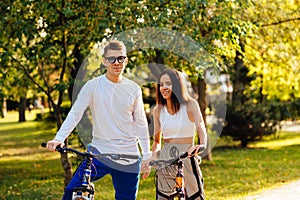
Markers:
point(179, 90)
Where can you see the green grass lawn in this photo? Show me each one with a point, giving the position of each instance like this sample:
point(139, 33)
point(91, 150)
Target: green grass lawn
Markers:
point(28, 171)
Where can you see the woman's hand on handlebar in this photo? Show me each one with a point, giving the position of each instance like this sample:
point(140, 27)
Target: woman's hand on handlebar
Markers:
point(52, 144)
point(195, 150)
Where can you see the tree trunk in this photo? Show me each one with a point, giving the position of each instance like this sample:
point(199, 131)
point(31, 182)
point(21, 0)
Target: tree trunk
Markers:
point(240, 80)
point(239, 77)
point(244, 142)
point(74, 71)
point(203, 105)
point(156, 63)
point(66, 164)
point(3, 108)
point(22, 109)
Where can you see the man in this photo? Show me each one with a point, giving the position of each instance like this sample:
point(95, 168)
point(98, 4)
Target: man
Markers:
point(119, 124)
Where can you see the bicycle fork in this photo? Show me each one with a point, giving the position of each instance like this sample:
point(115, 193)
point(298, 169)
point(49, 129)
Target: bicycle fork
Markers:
point(86, 191)
point(179, 181)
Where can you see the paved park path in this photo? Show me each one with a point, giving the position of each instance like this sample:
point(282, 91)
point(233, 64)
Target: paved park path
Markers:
point(288, 191)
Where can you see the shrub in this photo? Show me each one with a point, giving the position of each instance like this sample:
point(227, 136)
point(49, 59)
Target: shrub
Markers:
point(249, 122)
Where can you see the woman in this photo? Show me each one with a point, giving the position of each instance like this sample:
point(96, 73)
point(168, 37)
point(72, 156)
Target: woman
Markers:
point(177, 118)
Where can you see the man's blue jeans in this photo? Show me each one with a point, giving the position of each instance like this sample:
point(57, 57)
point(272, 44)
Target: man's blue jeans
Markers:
point(125, 178)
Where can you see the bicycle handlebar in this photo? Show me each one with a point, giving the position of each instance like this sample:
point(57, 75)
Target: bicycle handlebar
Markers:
point(169, 162)
point(113, 156)
point(172, 160)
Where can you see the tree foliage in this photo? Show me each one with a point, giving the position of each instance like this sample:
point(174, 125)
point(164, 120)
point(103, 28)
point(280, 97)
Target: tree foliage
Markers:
point(48, 40)
point(266, 72)
point(44, 40)
point(273, 56)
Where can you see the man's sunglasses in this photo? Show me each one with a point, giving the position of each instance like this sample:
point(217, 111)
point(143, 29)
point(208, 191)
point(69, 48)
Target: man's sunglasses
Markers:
point(113, 59)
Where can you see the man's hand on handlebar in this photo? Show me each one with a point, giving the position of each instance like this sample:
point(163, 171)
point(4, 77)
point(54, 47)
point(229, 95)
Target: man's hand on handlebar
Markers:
point(52, 144)
point(146, 168)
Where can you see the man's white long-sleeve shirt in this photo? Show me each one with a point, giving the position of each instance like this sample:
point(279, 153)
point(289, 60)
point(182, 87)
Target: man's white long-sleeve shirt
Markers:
point(118, 116)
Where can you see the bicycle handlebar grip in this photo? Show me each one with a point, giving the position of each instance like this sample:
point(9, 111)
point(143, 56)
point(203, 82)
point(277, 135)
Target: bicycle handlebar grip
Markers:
point(44, 144)
point(199, 150)
point(152, 162)
point(184, 155)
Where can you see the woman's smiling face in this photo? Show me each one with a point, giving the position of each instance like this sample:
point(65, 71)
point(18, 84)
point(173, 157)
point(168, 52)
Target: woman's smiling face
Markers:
point(165, 86)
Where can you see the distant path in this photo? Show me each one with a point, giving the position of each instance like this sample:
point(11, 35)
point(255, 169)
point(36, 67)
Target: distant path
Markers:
point(289, 191)
point(291, 126)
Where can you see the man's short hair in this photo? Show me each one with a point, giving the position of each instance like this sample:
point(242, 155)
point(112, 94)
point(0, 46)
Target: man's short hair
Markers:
point(114, 45)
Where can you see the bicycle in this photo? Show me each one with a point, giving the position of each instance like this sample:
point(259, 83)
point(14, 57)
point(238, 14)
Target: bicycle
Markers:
point(179, 179)
point(86, 191)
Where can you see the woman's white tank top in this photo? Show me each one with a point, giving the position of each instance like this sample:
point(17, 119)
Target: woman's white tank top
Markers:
point(177, 125)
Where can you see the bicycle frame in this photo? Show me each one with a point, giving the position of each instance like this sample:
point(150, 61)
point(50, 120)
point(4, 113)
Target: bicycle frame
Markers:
point(179, 179)
point(86, 190)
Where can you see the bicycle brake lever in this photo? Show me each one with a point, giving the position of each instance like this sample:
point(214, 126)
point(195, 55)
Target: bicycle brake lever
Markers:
point(116, 157)
point(124, 159)
point(61, 150)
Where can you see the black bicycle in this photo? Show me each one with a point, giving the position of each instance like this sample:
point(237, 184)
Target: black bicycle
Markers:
point(86, 190)
point(179, 179)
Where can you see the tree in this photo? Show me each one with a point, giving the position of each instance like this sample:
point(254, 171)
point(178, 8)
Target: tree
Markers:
point(48, 41)
point(2, 95)
point(44, 40)
point(12, 80)
point(266, 72)
point(213, 25)
point(274, 59)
